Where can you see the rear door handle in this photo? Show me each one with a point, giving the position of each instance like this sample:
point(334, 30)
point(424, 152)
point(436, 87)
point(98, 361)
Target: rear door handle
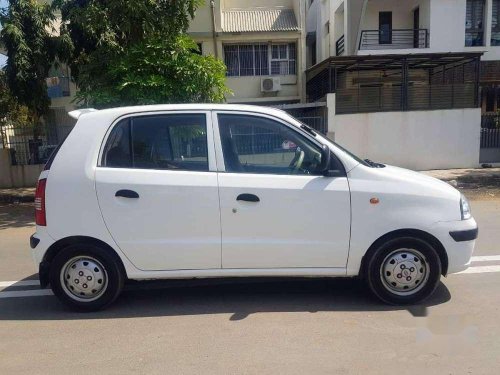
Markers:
point(248, 198)
point(126, 194)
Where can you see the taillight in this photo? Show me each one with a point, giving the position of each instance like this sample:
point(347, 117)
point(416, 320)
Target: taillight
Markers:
point(40, 217)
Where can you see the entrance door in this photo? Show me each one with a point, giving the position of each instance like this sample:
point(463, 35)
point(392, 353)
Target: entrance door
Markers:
point(276, 211)
point(385, 28)
point(157, 189)
point(416, 27)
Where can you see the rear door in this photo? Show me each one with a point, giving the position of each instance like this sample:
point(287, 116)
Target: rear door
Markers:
point(157, 188)
point(276, 211)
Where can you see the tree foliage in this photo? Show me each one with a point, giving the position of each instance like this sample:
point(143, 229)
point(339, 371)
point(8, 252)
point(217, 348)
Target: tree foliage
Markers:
point(11, 112)
point(126, 52)
point(31, 51)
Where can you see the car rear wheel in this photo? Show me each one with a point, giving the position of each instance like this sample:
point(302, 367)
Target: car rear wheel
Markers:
point(86, 277)
point(403, 271)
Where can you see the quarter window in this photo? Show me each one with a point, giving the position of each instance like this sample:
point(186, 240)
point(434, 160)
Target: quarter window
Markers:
point(177, 142)
point(252, 144)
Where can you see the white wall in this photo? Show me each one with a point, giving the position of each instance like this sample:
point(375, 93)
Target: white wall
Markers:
point(17, 176)
point(445, 20)
point(402, 16)
point(419, 140)
point(448, 28)
point(354, 12)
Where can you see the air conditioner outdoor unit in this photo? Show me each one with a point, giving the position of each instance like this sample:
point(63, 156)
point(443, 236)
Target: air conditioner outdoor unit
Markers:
point(270, 84)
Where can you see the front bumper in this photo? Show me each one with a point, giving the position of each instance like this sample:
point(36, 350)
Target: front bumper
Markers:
point(464, 235)
point(458, 239)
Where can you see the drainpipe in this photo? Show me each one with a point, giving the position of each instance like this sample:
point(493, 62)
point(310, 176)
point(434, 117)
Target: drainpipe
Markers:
point(214, 33)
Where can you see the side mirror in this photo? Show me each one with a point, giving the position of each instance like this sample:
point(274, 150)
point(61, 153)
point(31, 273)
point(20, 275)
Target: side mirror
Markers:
point(324, 165)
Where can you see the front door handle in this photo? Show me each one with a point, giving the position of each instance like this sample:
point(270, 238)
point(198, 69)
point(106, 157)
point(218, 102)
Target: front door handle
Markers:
point(126, 194)
point(248, 198)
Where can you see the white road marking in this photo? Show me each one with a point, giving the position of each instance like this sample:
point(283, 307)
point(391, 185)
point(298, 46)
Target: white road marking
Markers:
point(481, 269)
point(5, 284)
point(486, 258)
point(26, 293)
point(48, 292)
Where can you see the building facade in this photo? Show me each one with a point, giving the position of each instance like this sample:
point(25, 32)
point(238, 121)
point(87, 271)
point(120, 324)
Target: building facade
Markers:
point(380, 62)
point(262, 44)
point(407, 82)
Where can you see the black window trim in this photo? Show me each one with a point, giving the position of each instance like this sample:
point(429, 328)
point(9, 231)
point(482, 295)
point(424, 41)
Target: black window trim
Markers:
point(217, 138)
point(131, 115)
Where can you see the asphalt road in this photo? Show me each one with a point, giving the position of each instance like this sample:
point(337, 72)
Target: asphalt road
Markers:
point(312, 326)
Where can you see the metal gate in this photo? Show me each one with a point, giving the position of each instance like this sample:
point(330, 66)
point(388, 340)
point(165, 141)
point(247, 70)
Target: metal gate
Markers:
point(313, 114)
point(33, 145)
point(490, 138)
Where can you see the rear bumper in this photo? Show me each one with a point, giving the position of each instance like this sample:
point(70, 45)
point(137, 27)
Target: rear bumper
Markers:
point(458, 239)
point(43, 274)
point(39, 243)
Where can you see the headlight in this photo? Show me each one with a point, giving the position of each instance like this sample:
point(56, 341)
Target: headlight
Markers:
point(465, 208)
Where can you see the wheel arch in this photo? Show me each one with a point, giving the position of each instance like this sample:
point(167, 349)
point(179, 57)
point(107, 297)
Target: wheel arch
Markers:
point(61, 244)
point(401, 233)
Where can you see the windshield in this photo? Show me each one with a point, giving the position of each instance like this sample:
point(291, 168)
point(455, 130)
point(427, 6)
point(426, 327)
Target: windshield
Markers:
point(316, 133)
point(355, 157)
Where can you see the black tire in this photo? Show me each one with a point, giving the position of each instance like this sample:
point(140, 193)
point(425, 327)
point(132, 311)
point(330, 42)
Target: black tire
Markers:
point(377, 271)
point(112, 270)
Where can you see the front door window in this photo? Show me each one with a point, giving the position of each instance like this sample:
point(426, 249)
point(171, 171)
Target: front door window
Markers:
point(252, 144)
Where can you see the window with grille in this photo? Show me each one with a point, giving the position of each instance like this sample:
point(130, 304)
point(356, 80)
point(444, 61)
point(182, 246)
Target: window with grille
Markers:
point(474, 23)
point(246, 59)
point(495, 23)
point(283, 57)
point(259, 59)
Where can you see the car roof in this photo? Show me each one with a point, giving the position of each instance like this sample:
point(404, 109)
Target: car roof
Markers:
point(121, 111)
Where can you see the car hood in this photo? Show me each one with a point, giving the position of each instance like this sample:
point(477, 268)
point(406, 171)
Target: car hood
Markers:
point(423, 181)
point(404, 189)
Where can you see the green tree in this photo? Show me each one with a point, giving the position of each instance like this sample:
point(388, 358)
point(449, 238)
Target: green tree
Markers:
point(11, 113)
point(126, 52)
point(31, 51)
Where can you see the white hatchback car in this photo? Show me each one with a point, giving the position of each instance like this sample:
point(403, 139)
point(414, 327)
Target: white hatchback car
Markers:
point(199, 191)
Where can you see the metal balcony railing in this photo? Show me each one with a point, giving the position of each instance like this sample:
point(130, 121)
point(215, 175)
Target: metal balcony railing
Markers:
point(340, 46)
point(394, 39)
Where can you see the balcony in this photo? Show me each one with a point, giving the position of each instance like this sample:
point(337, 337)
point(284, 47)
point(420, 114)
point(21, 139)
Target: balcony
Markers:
point(58, 87)
point(394, 39)
point(376, 83)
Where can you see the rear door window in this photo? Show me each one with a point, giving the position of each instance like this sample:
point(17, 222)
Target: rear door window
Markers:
point(173, 141)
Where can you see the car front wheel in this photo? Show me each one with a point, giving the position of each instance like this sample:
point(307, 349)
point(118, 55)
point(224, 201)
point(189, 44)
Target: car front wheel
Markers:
point(86, 277)
point(403, 271)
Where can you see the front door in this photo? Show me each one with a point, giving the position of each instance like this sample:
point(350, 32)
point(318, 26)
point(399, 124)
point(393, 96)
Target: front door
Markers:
point(276, 211)
point(385, 28)
point(157, 190)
